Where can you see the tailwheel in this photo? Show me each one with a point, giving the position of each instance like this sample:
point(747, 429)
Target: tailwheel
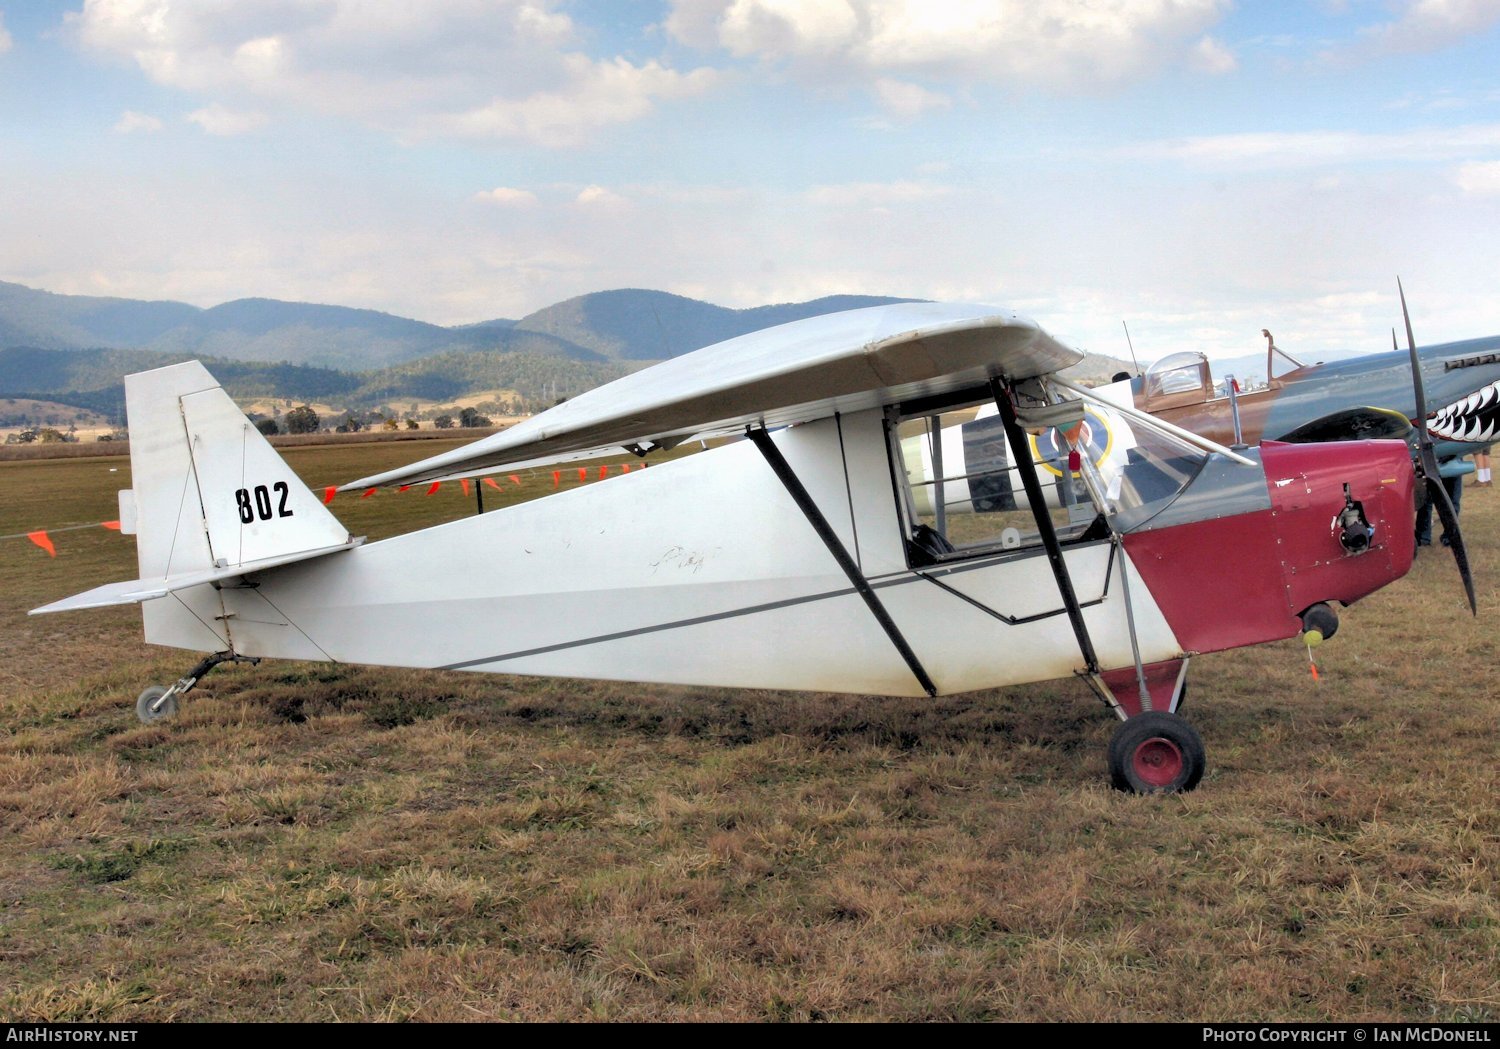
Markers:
point(160, 701)
point(1156, 753)
point(155, 703)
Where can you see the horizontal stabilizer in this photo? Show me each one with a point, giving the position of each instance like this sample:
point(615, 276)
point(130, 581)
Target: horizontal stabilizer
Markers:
point(134, 591)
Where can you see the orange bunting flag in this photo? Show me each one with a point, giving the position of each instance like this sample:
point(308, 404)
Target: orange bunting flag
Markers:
point(42, 540)
point(403, 488)
point(328, 493)
point(556, 478)
point(491, 482)
point(113, 526)
point(583, 473)
point(625, 468)
point(644, 465)
point(435, 485)
point(368, 492)
point(465, 482)
point(603, 472)
point(513, 479)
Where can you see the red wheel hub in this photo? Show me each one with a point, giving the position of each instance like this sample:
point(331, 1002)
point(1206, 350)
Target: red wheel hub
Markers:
point(1157, 761)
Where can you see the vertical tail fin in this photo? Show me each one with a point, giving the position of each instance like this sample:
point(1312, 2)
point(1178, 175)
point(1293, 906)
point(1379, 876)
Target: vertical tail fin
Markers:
point(210, 492)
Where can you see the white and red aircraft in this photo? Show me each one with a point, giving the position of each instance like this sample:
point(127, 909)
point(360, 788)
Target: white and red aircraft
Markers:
point(858, 541)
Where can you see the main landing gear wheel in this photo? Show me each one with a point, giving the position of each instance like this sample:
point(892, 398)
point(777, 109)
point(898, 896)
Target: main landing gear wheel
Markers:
point(1155, 753)
point(148, 698)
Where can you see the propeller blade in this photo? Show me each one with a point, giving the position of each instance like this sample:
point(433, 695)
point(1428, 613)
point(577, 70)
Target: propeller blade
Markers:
point(1416, 370)
point(1439, 495)
point(1427, 459)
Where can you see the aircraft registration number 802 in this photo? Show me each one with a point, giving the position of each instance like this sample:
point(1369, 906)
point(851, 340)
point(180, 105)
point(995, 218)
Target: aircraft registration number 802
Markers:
point(261, 507)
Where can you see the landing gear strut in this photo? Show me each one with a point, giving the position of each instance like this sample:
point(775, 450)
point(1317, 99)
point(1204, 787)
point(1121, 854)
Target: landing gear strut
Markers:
point(160, 701)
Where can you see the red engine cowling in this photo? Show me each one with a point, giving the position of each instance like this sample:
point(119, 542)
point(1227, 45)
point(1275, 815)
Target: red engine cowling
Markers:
point(1246, 579)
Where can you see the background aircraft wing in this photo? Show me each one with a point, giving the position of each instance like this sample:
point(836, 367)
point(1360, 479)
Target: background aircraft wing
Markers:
point(792, 373)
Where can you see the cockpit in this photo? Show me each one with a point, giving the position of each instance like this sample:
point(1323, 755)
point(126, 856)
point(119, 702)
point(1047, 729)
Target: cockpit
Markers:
point(962, 495)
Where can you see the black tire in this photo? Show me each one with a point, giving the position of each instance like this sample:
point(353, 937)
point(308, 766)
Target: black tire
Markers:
point(1156, 753)
point(149, 696)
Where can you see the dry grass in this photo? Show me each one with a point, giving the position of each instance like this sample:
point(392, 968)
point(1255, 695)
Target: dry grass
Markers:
point(311, 842)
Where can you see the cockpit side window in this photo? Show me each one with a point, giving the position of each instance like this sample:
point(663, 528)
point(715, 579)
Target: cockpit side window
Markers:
point(963, 497)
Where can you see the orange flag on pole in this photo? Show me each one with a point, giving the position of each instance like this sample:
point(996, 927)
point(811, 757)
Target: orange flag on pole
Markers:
point(513, 479)
point(435, 485)
point(42, 540)
point(328, 493)
point(113, 526)
point(465, 482)
point(603, 472)
point(556, 478)
point(491, 482)
point(583, 473)
point(368, 492)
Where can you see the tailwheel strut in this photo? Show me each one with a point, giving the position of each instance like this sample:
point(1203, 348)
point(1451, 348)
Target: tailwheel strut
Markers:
point(160, 701)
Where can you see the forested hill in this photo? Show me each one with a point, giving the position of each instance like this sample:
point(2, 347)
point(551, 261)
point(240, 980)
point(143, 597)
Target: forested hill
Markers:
point(627, 325)
point(93, 378)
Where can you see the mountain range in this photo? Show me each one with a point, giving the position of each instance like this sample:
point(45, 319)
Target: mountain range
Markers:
point(75, 349)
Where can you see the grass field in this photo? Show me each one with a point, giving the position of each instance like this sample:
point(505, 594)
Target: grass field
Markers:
point(309, 842)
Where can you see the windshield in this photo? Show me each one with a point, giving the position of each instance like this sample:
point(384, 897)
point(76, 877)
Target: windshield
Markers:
point(1177, 373)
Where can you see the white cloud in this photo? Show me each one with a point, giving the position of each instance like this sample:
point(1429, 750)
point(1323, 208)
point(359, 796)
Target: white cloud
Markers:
point(874, 194)
point(1430, 25)
point(217, 120)
point(594, 195)
point(130, 121)
point(489, 68)
point(598, 94)
point(1480, 178)
point(1053, 43)
point(907, 101)
point(508, 197)
point(5, 37)
point(1211, 56)
point(1303, 149)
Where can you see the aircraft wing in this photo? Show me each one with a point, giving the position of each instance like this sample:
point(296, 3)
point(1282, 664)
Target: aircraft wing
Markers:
point(809, 369)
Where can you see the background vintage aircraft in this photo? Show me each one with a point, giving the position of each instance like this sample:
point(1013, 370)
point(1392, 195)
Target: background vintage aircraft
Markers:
point(1362, 397)
point(1380, 395)
point(836, 549)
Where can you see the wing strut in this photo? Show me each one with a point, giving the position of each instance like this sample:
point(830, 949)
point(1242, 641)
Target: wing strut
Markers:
point(804, 501)
point(1020, 450)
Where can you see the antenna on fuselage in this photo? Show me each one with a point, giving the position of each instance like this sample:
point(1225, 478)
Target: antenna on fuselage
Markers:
point(1132, 347)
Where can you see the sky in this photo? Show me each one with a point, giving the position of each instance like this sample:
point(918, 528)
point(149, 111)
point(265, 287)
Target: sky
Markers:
point(1198, 169)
